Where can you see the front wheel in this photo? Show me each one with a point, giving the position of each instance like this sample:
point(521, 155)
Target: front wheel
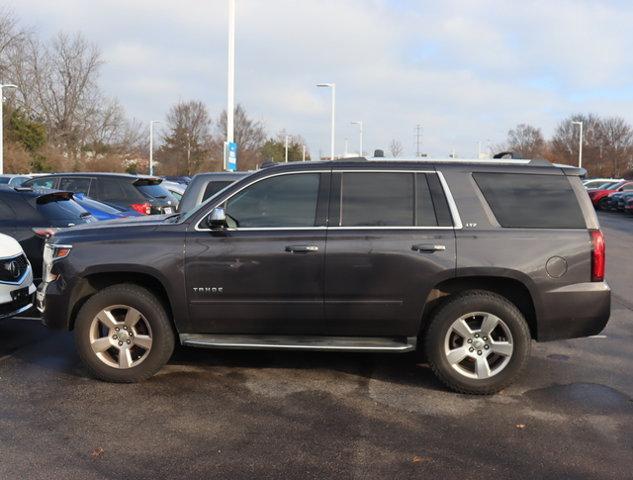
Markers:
point(123, 334)
point(477, 342)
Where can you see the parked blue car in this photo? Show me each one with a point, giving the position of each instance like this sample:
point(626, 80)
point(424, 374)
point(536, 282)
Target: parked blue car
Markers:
point(99, 210)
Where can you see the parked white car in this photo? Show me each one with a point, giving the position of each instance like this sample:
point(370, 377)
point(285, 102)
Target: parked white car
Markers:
point(16, 278)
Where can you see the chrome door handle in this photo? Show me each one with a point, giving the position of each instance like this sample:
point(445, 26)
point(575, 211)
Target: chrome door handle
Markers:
point(302, 248)
point(428, 248)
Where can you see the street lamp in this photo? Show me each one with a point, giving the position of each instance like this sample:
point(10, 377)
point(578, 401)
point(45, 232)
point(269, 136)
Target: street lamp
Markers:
point(579, 144)
point(286, 147)
point(230, 107)
point(151, 146)
point(8, 85)
point(333, 87)
point(360, 135)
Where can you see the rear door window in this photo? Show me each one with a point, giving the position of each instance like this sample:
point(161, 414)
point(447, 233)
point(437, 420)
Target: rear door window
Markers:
point(387, 199)
point(531, 200)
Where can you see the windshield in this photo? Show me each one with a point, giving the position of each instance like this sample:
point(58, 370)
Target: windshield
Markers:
point(90, 203)
point(68, 212)
point(155, 190)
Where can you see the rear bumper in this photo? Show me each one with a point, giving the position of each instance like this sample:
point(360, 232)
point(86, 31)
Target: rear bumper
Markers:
point(578, 310)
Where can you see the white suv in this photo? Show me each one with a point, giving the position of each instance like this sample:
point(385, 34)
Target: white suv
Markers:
point(16, 278)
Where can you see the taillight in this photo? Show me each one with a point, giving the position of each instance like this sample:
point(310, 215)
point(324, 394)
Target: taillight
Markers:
point(598, 256)
point(142, 208)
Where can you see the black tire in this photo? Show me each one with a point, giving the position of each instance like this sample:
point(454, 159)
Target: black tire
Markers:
point(462, 304)
point(141, 299)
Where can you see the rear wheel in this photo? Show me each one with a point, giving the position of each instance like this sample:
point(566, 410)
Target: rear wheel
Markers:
point(123, 334)
point(477, 342)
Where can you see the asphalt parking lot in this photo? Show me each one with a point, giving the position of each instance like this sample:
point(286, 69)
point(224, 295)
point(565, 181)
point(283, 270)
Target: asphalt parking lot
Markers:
point(232, 414)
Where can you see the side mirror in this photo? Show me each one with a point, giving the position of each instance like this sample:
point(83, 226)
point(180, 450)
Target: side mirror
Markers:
point(217, 219)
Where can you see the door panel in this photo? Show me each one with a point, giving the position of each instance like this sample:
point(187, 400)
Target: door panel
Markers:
point(263, 274)
point(376, 284)
point(264, 287)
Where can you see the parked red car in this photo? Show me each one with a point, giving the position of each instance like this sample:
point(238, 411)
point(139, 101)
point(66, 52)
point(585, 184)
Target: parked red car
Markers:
point(599, 197)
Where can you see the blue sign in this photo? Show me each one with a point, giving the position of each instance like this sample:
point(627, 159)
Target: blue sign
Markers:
point(231, 160)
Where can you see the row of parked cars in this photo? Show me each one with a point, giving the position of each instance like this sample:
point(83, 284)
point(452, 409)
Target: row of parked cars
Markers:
point(366, 255)
point(611, 194)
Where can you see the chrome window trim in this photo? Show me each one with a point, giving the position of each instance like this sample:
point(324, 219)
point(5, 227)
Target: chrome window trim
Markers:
point(457, 222)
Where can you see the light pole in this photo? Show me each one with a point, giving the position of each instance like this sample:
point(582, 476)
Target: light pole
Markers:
point(188, 154)
point(360, 136)
point(151, 146)
point(286, 147)
point(2, 87)
point(332, 139)
point(230, 107)
point(579, 144)
point(303, 156)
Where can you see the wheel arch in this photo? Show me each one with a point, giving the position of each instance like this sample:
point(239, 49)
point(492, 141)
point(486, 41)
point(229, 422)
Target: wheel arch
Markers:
point(91, 283)
point(511, 288)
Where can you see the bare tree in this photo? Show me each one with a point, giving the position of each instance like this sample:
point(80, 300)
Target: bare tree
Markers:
point(11, 36)
point(187, 139)
point(250, 136)
point(615, 144)
point(395, 148)
point(525, 141)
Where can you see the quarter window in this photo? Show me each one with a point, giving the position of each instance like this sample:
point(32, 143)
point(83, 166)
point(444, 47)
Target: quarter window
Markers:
point(280, 201)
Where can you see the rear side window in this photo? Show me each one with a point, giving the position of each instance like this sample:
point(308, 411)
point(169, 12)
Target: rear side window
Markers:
point(531, 200)
point(373, 199)
point(75, 184)
point(115, 190)
point(214, 187)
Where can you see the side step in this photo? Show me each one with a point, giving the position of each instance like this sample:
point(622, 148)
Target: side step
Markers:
point(283, 342)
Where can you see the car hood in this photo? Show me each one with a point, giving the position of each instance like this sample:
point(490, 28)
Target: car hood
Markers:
point(9, 246)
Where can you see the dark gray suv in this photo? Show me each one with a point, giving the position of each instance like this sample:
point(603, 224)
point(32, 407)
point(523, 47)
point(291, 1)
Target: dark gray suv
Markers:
point(467, 261)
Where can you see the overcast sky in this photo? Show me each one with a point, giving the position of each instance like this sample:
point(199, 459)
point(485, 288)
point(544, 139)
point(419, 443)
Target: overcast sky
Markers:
point(467, 71)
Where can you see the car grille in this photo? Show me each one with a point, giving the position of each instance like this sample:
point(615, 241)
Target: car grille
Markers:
point(13, 269)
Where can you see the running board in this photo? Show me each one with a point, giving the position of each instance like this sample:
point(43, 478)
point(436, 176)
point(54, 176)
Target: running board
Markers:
point(301, 342)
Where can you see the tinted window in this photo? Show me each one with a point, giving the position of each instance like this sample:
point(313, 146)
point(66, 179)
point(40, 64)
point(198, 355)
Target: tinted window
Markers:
point(75, 184)
point(116, 190)
point(376, 199)
point(4, 180)
point(214, 187)
point(65, 211)
point(530, 200)
point(281, 201)
point(155, 191)
point(628, 186)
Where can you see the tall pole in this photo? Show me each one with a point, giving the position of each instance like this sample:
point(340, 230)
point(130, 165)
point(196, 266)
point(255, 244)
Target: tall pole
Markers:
point(230, 107)
point(286, 147)
point(418, 127)
point(151, 146)
point(346, 145)
point(332, 139)
point(188, 154)
point(579, 144)
point(303, 156)
point(2, 87)
point(360, 136)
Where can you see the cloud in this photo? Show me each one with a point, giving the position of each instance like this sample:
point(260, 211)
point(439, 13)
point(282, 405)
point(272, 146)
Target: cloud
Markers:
point(467, 71)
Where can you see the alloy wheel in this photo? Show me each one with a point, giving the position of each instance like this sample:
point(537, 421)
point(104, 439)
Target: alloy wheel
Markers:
point(120, 336)
point(478, 345)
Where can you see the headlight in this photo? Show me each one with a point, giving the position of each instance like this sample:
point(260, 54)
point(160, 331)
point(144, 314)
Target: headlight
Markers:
point(52, 253)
